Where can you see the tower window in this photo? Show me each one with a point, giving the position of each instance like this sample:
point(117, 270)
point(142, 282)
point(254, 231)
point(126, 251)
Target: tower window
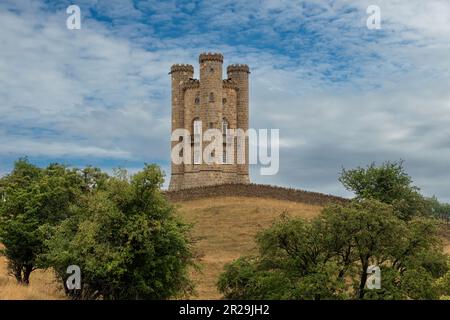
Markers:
point(225, 126)
point(197, 128)
point(224, 101)
point(197, 100)
point(224, 156)
point(211, 69)
point(211, 97)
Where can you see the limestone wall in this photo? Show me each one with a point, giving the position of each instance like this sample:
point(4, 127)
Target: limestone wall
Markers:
point(209, 99)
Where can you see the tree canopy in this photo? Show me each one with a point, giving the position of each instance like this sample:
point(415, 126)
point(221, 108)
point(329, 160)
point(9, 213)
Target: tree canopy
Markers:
point(126, 239)
point(389, 224)
point(388, 183)
point(328, 257)
point(33, 197)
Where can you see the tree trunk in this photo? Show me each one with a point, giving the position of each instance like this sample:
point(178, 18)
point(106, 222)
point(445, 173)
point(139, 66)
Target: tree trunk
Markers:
point(17, 271)
point(27, 269)
point(363, 281)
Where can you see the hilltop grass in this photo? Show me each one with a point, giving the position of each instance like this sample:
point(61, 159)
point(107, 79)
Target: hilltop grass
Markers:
point(225, 228)
point(43, 286)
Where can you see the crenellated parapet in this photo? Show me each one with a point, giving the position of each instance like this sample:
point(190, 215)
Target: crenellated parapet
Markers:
point(182, 68)
point(238, 68)
point(210, 57)
point(192, 84)
point(229, 83)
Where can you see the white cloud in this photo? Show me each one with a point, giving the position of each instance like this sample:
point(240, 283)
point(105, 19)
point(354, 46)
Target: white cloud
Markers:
point(94, 91)
point(340, 94)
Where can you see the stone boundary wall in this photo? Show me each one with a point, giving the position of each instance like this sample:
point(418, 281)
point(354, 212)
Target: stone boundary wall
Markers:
point(253, 190)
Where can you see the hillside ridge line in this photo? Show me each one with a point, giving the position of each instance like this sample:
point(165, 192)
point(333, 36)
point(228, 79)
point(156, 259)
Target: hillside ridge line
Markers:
point(253, 190)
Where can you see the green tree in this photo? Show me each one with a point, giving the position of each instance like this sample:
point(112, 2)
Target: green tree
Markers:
point(388, 183)
point(33, 197)
point(443, 285)
point(126, 239)
point(362, 234)
point(438, 209)
point(328, 257)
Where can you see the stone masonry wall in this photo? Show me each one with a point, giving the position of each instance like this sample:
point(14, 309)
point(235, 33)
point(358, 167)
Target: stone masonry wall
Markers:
point(210, 99)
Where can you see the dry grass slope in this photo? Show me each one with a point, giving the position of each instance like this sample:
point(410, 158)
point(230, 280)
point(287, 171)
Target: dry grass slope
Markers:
point(225, 227)
point(43, 286)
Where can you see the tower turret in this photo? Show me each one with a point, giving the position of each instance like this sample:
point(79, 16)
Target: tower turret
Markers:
point(239, 74)
point(211, 89)
point(180, 73)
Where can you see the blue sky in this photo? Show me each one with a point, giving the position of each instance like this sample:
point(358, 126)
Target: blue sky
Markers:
point(341, 95)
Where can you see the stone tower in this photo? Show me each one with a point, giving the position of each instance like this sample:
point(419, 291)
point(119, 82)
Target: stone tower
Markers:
point(209, 103)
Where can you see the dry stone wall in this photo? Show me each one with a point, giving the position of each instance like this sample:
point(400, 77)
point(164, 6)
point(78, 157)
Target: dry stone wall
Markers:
point(253, 190)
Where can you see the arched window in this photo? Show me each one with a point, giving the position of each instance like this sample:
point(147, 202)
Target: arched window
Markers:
point(197, 136)
point(196, 128)
point(180, 139)
point(211, 97)
point(224, 155)
point(224, 101)
point(225, 126)
point(197, 100)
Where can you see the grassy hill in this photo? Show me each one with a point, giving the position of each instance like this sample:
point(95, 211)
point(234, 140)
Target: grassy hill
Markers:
point(224, 227)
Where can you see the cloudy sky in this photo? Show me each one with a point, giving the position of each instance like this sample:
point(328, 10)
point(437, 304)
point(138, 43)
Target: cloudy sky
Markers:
point(342, 95)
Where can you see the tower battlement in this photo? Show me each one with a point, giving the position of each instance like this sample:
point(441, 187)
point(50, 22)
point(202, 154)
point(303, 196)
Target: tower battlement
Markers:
point(209, 103)
point(191, 84)
point(208, 56)
point(229, 83)
point(238, 68)
point(182, 68)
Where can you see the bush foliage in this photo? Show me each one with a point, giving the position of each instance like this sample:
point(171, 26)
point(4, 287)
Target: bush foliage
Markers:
point(120, 230)
point(388, 224)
